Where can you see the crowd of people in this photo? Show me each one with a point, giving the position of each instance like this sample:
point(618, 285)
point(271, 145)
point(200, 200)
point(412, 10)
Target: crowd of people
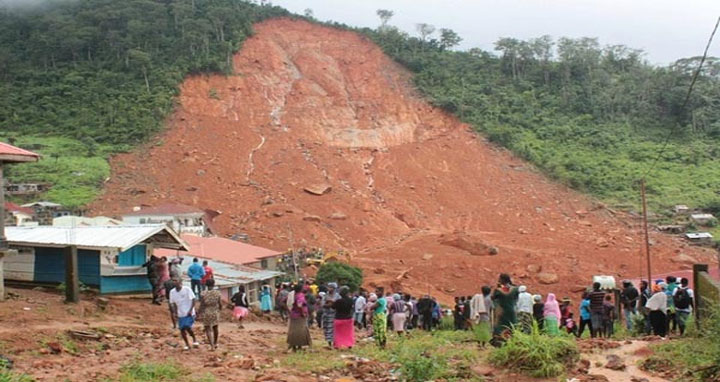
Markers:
point(341, 314)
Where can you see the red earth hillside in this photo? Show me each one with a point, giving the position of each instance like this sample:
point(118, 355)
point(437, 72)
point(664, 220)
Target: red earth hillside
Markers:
point(419, 199)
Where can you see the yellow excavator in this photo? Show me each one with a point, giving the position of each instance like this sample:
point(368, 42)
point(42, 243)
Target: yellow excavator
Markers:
point(329, 257)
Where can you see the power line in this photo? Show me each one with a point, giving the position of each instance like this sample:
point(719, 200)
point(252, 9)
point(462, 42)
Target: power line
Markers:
point(687, 99)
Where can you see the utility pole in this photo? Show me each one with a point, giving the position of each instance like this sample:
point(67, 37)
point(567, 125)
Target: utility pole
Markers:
point(294, 258)
point(645, 227)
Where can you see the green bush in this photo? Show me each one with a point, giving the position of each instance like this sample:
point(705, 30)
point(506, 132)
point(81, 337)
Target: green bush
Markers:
point(8, 376)
point(535, 354)
point(341, 273)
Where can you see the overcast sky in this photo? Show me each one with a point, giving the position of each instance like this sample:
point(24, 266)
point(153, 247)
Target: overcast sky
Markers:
point(665, 29)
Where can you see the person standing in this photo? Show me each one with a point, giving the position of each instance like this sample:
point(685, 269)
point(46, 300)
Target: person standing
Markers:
point(477, 307)
point(597, 298)
point(240, 301)
point(328, 321)
point(467, 322)
point(209, 273)
point(380, 319)
point(609, 317)
point(684, 300)
point(298, 331)
point(425, 309)
point(645, 295)
point(152, 276)
point(437, 313)
point(163, 274)
point(457, 314)
point(266, 299)
point(399, 310)
point(629, 299)
point(525, 309)
point(489, 306)
point(584, 315)
point(657, 308)
point(174, 266)
point(210, 307)
point(539, 311)
point(182, 300)
point(415, 313)
point(671, 317)
point(505, 297)
point(359, 316)
point(311, 301)
point(343, 328)
point(282, 299)
point(196, 273)
point(409, 302)
point(552, 315)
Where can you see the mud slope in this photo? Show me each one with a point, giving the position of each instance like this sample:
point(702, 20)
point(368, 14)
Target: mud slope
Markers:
point(311, 105)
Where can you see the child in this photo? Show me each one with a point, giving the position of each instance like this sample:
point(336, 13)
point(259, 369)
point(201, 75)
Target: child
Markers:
point(609, 316)
point(570, 324)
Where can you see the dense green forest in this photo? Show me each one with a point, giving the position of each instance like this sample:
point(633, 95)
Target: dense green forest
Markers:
point(82, 79)
point(594, 117)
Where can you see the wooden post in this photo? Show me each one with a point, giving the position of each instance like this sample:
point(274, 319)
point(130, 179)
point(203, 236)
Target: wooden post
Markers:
point(697, 268)
point(72, 284)
point(3, 239)
point(647, 236)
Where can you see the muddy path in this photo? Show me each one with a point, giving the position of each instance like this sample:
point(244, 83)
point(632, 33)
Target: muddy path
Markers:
point(630, 353)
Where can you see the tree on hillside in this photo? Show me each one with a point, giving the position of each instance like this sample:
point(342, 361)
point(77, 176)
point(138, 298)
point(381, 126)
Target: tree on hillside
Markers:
point(309, 13)
point(385, 16)
point(425, 30)
point(341, 273)
point(448, 38)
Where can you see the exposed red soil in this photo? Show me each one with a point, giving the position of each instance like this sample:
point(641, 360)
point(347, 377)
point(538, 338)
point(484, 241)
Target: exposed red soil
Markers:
point(412, 188)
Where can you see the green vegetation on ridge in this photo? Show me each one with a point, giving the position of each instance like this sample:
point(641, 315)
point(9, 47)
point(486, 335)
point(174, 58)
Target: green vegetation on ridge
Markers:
point(102, 75)
point(590, 116)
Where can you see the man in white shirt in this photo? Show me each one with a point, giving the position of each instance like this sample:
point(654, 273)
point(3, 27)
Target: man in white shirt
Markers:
point(684, 300)
point(360, 303)
point(182, 301)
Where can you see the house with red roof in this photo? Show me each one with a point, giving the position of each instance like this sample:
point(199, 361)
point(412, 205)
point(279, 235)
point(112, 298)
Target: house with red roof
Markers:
point(8, 154)
point(182, 218)
point(234, 264)
point(226, 251)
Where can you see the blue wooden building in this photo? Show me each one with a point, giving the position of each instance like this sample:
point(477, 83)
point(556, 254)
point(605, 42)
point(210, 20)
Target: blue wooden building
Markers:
point(110, 258)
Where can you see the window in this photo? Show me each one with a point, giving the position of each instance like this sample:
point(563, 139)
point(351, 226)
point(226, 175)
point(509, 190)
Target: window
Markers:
point(142, 220)
point(264, 264)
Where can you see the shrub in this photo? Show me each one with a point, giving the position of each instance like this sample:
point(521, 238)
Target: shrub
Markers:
point(8, 376)
point(151, 372)
point(343, 274)
point(537, 355)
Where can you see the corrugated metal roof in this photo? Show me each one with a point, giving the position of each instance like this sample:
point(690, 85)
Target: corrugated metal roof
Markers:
point(227, 275)
point(42, 204)
point(120, 237)
point(10, 153)
point(166, 209)
point(699, 235)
